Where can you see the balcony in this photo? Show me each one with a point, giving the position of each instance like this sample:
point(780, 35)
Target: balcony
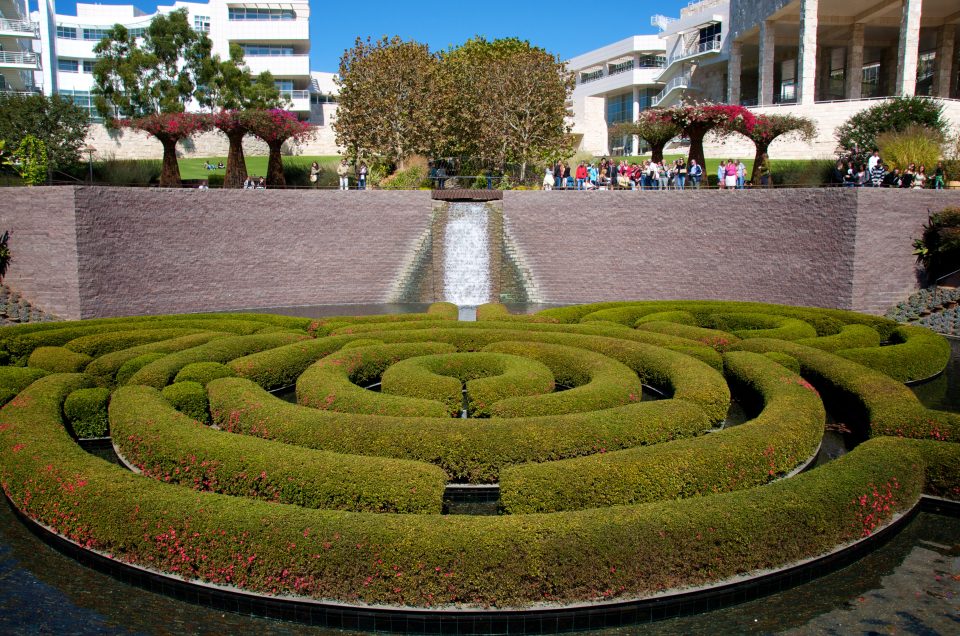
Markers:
point(279, 65)
point(19, 60)
point(19, 28)
point(696, 49)
point(264, 30)
point(299, 100)
point(678, 83)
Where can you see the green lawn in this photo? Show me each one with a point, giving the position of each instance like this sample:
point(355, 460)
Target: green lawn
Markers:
point(193, 168)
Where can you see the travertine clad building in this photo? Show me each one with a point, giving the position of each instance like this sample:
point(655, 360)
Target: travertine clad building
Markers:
point(824, 60)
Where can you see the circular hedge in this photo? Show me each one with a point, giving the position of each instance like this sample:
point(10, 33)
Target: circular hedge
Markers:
point(605, 495)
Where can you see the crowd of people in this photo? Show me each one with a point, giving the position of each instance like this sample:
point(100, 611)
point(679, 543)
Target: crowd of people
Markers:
point(610, 175)
point(874, 173)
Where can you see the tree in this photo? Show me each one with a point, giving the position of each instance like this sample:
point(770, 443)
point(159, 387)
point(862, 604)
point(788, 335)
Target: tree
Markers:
point(696, 120)
point(30, 160)
point(274, 127)
point(232, 89)
point(857, 136)
point(154, 81)
point(59, 123)
point(654, 127)
point(387, 104)
point(506, 102)
point(767, 128)
point(169, 129)
point(938, 249)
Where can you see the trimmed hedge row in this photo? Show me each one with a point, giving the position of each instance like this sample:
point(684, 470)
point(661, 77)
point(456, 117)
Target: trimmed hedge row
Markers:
point(850, 336)
point(281, 366)
point(489, 378)
point(58, 360)
point(160, 372)
point(918, 354)
point(784, 435)
point(468, 450)
point(204, 372)
point(760, 325)
point(436, 311)
point(86, 412)
point(108, 365)
point(189, 398)
point(332, 383)
point(713, 338)
point(506, 561)
point(878, 403)
point(99, 344)
point(174, 448)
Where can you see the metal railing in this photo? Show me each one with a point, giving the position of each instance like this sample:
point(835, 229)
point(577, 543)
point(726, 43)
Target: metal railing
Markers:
point(680, 81)
point(11, 57)
point(295, 94)
point(712, 45)
point(20, 26)
point(13, 91)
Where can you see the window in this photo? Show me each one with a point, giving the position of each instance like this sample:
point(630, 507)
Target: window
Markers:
point(620, 108)
point(243, 13)
point(84, 100)
point(925, 67)
point(68, 66)
point(870, 84)
point(283, 85)
point(622, 67)
point(647, 95)
point(836, 82)
point(788, 82)
point(138, 32)
point(261, 50)
point(708, 35)
point(88, 66)
point(66, 32)
point(592, 75)
point(652, 61)
point(321, 98)
point(94, 33)
point(201, 23)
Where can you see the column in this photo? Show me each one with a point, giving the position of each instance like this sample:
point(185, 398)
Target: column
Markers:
point(946, 39)
point(807, 59)
point(734, 68)
point(767, 44)
point(909, 50)
point(854, 72)
point(634, 140)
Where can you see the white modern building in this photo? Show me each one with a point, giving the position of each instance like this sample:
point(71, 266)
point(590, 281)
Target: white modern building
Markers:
point(18, 60)
point(274, 36)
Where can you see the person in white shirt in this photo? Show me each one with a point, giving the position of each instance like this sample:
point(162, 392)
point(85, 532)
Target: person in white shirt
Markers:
point(873, 160)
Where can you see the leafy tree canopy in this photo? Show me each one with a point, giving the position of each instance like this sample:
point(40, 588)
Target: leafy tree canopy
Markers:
point(158, 76)
point(61, 125)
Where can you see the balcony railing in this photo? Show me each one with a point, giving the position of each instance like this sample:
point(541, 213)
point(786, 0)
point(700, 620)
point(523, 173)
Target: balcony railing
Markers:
point(295, 94)
point(20, 26)
point(12, 57)
point(679, 82)
point(697, 48)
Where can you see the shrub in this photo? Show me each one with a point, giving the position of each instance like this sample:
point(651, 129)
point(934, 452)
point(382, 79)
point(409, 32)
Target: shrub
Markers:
point(131, 366)
point(139, 172)
point(189, 398)
point(409, 179)
point(110, 365)
point(917, 354)
point(913, 145)
point(86, 411)
point(99, 344)
point(204, 372)
point(16, 379)
point(938, 249)
point(58, 360)
point(896, 114)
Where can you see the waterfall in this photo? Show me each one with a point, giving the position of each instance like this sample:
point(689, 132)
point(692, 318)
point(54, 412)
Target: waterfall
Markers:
point(466, 261)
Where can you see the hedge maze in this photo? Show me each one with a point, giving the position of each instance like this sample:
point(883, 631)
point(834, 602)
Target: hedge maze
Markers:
point(605, 495)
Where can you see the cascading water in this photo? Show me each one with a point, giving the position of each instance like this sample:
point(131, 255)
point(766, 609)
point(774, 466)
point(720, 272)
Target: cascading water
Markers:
point(466, 261)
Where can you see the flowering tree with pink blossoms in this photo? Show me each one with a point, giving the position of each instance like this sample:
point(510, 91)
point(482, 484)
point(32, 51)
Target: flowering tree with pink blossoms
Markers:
point(274, 127)
point(169, 129)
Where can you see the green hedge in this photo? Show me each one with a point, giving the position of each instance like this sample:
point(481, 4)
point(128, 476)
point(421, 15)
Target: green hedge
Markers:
point(918, 354)
point(332, 383)
point(505, 561)
point(16, 379)
point(99, 344)
point(58, 360)
point(189, 398)
point(172, 447)
point(713, 338)
point(489, 378)
point(281, 366)
point(86, 412)
point(850, 336)
point(204, 372)
point(472, 450)
point(131, 366)
point(785, 434)
point(874, 401)
point(108, 365)
point(159, 373)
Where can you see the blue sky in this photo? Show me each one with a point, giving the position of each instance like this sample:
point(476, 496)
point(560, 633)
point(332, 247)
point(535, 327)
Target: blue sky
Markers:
point(565, 28)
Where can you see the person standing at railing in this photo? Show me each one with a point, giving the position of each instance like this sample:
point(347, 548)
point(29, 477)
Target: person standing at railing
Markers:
point(558, 175)
point(873, 160)
point(764, 170)
point(362, 176)
point(581, 175)
point(696, 173)
point(939, 176)
point(730, 172)
point(548, 179)
point(681, 168)
point(343, 171)
point(741, 174)
point(593, 175)
point(877, 174)
point(315, 174)
point(721, 175)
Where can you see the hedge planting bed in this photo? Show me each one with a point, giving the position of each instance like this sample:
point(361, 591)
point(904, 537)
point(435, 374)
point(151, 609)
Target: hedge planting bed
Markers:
point(606, 496)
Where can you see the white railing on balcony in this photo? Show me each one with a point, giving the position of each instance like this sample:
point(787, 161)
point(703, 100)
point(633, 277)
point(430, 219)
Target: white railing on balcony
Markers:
point(697, 48)
point(295, 94)
point(12, 57)
point(20, 26)
point(677, 83)
point(10, 91)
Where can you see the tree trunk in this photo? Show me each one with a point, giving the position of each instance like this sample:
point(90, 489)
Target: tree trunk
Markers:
point(523, 172)
point(170, 172)
point(236, 172)
point(275, 166)
point(656, 151)
point(696, 149)
point(758, 157)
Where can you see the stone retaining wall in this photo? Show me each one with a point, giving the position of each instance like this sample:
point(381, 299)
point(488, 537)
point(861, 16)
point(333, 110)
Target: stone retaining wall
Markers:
point(94, 251)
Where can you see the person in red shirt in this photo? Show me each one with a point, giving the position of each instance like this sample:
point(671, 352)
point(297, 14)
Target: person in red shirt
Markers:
point(581, 175)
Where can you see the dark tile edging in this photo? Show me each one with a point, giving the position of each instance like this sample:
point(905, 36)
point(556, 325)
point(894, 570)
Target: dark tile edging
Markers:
point(534, 621)
point(466, 194)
